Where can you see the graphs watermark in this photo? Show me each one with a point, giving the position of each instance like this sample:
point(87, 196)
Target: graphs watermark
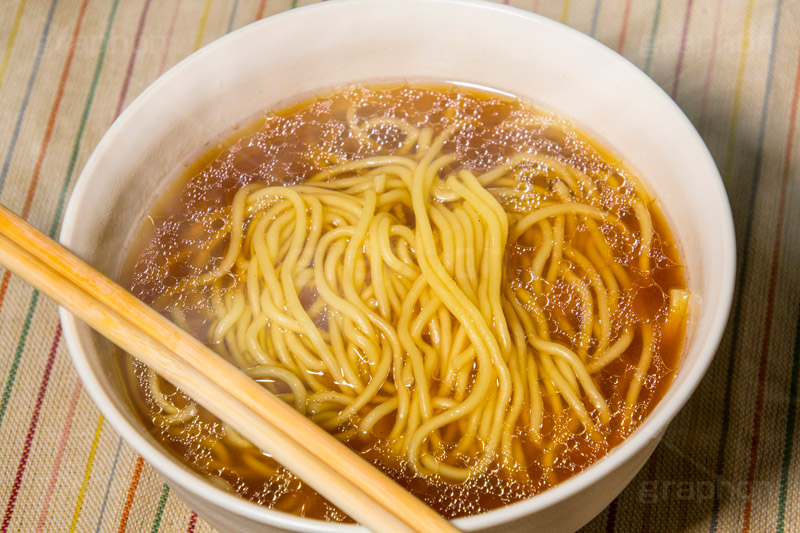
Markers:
point(654, 491)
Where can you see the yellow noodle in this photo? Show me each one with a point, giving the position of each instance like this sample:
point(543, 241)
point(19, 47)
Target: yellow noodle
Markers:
point(378, 289)
point(646, 232)
point(641, 371)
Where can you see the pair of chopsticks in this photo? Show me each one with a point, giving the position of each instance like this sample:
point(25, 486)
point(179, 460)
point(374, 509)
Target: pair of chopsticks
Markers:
point(326, 464)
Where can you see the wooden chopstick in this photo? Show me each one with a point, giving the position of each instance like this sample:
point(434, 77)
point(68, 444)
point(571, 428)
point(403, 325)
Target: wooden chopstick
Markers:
point(348, 481)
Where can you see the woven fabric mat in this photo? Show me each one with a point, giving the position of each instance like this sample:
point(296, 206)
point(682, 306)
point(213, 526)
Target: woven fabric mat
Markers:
point(729, 461)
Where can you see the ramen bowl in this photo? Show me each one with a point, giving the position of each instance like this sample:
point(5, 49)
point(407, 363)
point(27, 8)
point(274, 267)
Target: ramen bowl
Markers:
point(312, 50)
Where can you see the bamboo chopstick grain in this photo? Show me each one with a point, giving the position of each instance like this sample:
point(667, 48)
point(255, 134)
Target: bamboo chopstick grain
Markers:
point(327, 465)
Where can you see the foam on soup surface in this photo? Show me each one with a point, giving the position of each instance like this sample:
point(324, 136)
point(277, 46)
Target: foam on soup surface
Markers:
point(467, 291)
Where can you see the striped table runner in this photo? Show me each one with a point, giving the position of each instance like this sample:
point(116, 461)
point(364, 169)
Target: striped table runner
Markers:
point(729, 462)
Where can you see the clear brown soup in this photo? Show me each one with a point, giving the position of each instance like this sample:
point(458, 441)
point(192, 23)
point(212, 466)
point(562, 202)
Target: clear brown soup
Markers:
point(289, 146)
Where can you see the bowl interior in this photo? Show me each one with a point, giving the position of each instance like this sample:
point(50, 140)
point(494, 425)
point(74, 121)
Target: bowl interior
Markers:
point(273, 62)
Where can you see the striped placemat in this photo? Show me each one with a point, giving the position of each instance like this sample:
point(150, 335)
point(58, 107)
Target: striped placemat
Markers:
point(729, 462)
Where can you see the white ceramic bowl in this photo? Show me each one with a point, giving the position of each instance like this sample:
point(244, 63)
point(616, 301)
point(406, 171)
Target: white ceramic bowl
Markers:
point(325, 46)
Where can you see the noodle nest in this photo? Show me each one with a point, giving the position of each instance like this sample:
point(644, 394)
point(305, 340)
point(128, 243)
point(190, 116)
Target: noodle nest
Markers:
point(374, 298)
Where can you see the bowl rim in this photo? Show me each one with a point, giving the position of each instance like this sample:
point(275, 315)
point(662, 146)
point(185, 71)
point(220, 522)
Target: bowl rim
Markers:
point(652, 429)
